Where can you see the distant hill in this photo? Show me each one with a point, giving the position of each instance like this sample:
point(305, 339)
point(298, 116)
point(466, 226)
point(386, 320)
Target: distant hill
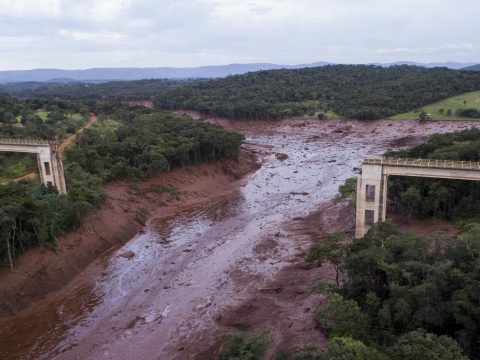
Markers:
point(206, 72)
point(450, 64)
point(126, 74)
point(472, 68)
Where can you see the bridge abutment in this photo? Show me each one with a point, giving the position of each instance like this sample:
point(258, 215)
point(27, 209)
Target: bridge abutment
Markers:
point(372, 183)
point(49, 161)
point(371, 198)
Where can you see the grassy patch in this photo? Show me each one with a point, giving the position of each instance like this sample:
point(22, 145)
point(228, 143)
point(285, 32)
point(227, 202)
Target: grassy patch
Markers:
point(14, 165)
point(446, 109)
point(42, 114)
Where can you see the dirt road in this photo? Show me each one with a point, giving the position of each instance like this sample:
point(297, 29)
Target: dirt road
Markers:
point(232, 263)
point(93, 119)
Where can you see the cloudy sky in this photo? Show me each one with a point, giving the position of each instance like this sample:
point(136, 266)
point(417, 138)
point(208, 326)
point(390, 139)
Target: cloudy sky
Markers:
point(74, 34)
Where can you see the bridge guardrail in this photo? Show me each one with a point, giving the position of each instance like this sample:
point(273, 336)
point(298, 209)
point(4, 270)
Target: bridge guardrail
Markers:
point(428, 163)
point(32, 142)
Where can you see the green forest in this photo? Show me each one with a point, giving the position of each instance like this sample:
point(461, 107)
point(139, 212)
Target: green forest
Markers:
point(446, 199)
point(129, 142)
point(349, 91)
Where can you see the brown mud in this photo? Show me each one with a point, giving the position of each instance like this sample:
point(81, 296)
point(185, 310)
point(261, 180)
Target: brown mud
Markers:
point(234, 262)
point(125, 212)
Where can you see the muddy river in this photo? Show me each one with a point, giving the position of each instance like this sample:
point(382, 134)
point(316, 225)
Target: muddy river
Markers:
point(166, 287)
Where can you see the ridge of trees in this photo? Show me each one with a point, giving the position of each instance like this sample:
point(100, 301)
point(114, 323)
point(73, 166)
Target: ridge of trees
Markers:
point(351, 91)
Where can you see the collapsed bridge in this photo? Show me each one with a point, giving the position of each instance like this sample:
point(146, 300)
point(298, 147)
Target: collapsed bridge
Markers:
point(373, 180)
point(49, 159)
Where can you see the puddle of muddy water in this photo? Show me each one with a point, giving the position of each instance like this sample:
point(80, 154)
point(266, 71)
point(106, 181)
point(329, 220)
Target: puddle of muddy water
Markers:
point(169, 283)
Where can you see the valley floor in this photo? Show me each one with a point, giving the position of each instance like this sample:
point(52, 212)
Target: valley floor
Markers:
point(229, 255)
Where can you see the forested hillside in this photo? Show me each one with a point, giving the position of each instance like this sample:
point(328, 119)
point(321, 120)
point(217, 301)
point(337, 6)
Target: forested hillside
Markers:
point(447, 199)
point(129, 142)
point(361, 92)
point(351, 91)
point(111, 91)
point(40, 118)
point(473, 68)
point(406, 296)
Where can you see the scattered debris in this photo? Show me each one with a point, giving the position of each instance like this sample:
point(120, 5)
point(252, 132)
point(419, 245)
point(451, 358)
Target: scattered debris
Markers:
point(128, 255)
point(281, 156)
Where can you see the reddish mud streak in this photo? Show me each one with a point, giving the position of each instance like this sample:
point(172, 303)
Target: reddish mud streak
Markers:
point(230, 263)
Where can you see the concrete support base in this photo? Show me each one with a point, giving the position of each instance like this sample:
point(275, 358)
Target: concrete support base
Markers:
point(49, 160)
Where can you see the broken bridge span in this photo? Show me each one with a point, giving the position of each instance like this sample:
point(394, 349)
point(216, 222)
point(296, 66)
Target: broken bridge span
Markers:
point(373, 180)
point(48, 157)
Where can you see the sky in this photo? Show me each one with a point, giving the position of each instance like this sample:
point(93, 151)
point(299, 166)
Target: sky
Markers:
point(78, 34)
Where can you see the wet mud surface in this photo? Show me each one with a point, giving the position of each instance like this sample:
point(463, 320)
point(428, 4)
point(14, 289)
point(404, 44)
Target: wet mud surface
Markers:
point(234, 262)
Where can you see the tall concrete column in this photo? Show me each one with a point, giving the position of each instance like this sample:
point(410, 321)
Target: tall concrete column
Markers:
point(383, 212)
point(57, 172)
point(45, 168)
point(371, 198)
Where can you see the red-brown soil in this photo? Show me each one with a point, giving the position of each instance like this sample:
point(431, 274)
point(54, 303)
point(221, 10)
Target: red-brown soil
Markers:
point(285, 306)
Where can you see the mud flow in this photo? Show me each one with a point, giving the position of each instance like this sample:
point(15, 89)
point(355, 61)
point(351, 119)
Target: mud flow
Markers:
point(160, 296)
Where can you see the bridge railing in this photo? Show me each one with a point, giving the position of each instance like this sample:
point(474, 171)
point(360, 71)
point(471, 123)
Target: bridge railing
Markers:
point(31, 142)
point(428, 163)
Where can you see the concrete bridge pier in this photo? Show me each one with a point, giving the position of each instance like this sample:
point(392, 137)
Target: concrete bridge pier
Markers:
point(371, 198)
point(51, 169)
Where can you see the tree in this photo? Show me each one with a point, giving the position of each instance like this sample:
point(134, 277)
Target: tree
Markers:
point(346, 348)
point(331, 250)
point(342, 317)
point(419, 345)
point(413, 199)
point(240, 347)
point(7, 232)
point(422, 115)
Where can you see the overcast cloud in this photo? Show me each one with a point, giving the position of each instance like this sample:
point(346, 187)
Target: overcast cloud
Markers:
point(119, 33)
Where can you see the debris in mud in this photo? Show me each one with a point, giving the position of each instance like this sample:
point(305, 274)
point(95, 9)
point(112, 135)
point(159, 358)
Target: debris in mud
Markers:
point(138, 319)
point(299, 193)
point(273, 290)
point(128, 255)
point(281, 156)
point(313, 138)
point(302, 124)
point(203, 306)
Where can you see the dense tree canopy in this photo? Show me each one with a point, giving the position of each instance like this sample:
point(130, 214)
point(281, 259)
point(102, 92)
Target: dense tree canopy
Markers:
point(448, 199)
point(351, 91)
